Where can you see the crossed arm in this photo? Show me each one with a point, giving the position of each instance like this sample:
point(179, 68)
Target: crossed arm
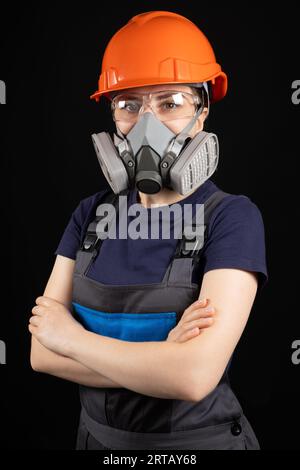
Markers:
point(187, 370)
point(59, 287)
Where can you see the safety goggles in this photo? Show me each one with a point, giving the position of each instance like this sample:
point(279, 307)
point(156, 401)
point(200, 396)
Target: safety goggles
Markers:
point(166, 105)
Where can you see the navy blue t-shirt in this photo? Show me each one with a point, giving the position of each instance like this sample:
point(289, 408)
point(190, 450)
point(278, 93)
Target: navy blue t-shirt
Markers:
point(236, 239)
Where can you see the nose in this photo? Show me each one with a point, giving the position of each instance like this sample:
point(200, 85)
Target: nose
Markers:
point(143, 111)
point(146, 108)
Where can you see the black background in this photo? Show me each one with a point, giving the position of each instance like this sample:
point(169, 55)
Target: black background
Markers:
point(50, 61)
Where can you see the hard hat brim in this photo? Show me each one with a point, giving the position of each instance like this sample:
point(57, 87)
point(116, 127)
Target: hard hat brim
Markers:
point(219, 86)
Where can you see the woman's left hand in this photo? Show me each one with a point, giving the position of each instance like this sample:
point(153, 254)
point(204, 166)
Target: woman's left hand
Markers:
point(53, 325)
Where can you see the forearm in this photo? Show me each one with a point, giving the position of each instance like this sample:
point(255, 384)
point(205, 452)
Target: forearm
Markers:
point(46, 361)
point(157, 369)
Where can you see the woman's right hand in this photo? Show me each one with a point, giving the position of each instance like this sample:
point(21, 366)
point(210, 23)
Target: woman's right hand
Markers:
point(196, 317)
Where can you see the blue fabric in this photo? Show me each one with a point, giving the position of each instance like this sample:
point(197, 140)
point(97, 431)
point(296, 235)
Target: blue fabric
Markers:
point(127, 326)
point(236, 239)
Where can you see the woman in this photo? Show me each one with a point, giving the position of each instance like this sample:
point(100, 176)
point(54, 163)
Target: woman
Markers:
point(151, 359)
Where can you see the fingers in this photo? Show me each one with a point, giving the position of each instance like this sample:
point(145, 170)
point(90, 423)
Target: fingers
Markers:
point(189, 334)
point(195, 318)
point(188, 329)
point(46, 301)
point(200, 313)
point(33, 329)
point(38, 310)
point(192, 329)
point(35, 320)
point(195, 305)
point(199, 323)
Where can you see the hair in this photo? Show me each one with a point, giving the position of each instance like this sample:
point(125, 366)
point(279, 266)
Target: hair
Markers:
point(204, 98)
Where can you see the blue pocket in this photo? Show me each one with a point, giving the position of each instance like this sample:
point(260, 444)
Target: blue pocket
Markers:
point(127, 326)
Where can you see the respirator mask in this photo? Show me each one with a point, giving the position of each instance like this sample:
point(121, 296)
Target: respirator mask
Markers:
point(150, 156)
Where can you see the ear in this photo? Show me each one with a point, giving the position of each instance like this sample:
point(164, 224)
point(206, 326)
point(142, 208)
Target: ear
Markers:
point(201, 119)
point(200, 122)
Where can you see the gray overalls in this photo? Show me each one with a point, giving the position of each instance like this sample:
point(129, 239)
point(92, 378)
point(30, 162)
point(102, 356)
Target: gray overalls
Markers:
point(119, 418)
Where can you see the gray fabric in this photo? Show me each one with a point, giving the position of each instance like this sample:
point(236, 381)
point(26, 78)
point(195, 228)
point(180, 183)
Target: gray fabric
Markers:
point(163, 297)
point(121, 418)
point(211, 203)
point(83, 260)
point(215, 437)
point(181, 270)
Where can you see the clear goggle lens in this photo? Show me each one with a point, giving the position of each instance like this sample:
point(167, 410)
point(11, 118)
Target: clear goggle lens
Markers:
point(166, 105)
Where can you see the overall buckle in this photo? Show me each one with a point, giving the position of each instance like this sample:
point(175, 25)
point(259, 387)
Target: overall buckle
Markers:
point(189, 246)
point(90, 242)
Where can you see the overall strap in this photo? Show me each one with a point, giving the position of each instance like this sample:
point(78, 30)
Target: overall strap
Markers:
point(187, 252)
point(189, 247)
point(94, 236)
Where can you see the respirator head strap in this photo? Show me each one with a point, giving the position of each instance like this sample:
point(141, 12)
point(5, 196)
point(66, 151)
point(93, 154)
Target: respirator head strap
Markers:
point(183, 135)
point(126, 155)
point(176, 147)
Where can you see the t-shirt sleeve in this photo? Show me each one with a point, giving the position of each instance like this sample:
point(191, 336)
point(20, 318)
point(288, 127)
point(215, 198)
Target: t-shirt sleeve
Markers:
point(77, 225)
point(236, 238)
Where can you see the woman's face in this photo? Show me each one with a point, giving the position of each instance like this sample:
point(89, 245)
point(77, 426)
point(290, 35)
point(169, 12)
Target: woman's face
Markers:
point(175, 126)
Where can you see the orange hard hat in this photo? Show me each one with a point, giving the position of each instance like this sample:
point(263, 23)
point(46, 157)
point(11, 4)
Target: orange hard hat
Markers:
point(159, 47)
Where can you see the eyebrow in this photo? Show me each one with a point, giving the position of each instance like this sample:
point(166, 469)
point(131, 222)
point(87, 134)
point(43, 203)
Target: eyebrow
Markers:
point(129, 96)
point(160, 96)
point(167, 94)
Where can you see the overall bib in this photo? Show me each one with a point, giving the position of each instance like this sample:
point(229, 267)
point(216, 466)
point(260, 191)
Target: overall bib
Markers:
point(119, 418)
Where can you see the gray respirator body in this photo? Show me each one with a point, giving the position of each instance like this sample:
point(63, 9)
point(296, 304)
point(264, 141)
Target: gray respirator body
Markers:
point(151, 157)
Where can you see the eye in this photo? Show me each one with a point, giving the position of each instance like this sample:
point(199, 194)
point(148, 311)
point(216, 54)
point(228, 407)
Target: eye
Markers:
point(132, 106)
point(171, 105)
point(128, 105)
point(168, 105)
